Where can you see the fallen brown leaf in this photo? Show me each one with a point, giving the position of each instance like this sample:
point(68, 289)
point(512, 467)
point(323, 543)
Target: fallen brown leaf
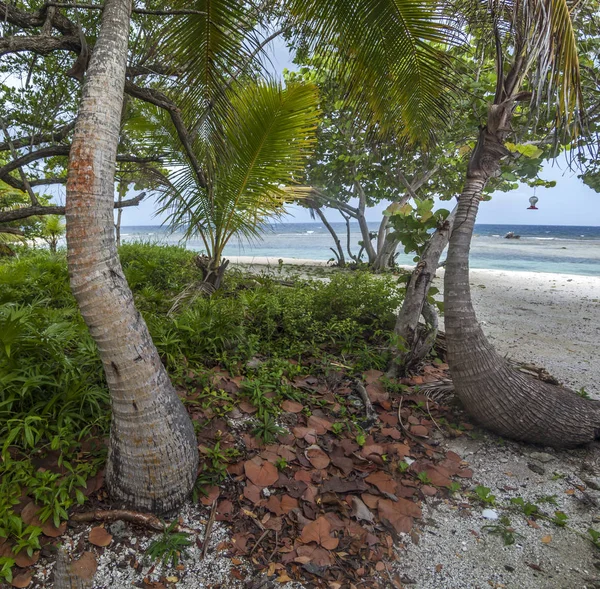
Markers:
point(85, 566)
point(21, 580)
point(317, 457)
point(99, 537)
point(260, 472)
point(383, 481)
point(319, 531)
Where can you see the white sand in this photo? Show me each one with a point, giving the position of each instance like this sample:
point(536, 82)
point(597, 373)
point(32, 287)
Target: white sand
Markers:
point(551, 320)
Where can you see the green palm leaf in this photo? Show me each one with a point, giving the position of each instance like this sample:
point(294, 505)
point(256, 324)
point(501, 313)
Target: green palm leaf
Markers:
point(268, 137)
point(389, 54)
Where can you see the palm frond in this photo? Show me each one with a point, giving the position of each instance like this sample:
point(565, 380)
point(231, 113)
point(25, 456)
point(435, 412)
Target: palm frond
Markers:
point(268, 137)
point(207, 48)
point(389, 53)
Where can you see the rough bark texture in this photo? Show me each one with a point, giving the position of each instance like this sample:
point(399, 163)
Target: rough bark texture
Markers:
point(418, 343)
point(68, 575)
point(152, 459)
point(497, 396)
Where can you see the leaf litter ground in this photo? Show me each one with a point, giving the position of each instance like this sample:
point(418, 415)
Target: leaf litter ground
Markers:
point(327, 504)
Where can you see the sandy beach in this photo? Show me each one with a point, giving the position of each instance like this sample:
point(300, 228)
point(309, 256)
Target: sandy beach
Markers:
point(551, 320)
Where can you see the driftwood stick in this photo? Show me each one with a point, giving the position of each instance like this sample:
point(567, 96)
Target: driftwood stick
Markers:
point(262, 537)
point(141, 519)
point(209, 527)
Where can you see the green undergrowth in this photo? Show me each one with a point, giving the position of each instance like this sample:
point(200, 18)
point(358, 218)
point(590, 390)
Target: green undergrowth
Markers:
point(53, 397)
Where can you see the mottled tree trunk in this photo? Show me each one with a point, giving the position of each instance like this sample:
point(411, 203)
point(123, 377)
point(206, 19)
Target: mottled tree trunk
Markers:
point(385, 253)
point(414, 344)
point(500, 398)
point(153, 456)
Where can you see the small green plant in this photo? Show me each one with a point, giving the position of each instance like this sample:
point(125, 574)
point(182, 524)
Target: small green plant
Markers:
point(551, 499)
point(281, 463)
point(527, 508)
point(361, 439)
point(484, 494)
point(6, 565)
point(583, 393)
point(337, 428)
point(169, 547)
point(557, 476)
point(454, 487)
point(504, 529)
point(424, 478)
point(267, 430)
point(560, 519)
point(595, 537)
point(403, 466)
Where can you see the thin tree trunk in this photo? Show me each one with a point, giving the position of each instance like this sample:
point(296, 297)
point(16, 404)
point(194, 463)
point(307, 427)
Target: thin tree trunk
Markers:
point(497, 396)
point(363, 225)
point(348, 236)
point(382, 233)
point(385, 255)
point(366, 237)
point(336, 239)
point(152, 459)
point(412, 346)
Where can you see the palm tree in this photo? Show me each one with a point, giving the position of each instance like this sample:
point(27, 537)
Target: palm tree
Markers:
point(541, 56)
point(53, 229)
point(263, 147)
point(153, 456)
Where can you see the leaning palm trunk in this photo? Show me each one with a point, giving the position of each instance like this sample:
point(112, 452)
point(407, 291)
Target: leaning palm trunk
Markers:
point(415, 342)
point(152, 458)
point(495, 394)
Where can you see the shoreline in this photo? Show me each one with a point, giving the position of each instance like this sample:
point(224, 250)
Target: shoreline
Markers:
point(550, 320)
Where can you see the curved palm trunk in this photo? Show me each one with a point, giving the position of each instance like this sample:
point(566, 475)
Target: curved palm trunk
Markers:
point(498, 397)
point(416, 343)
point(153, 456)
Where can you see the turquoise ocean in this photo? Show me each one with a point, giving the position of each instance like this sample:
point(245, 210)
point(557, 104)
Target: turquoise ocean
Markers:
point(541, 248)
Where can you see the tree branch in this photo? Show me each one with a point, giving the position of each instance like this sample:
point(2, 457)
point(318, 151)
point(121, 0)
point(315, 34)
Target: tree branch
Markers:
point(32, 197)
point(40, 44)
point(37, 138)
point(39, 154)
point(11, 230)
point(163, 101)
point(38, 211)
point(183, 11)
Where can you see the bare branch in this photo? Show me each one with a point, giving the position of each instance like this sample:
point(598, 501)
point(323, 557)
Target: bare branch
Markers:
point(183, 11)
point(161, 100)
point(37, 138)
point(11, 230)
point(38, 211)
point(40, 44)
point(52, 150)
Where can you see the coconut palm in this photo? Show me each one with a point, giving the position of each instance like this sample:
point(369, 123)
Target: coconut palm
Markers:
point(264, 146)
point(153, 456)
point(536, 57)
